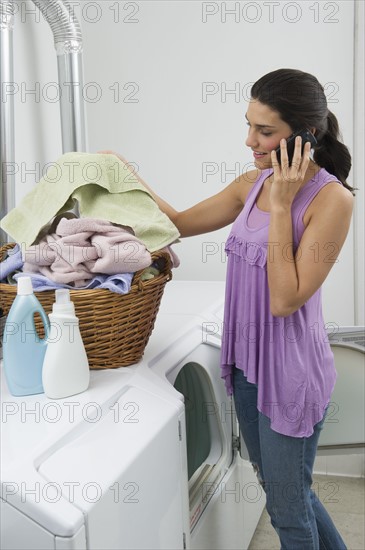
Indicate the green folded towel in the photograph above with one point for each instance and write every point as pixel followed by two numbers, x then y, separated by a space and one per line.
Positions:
pixel 104 188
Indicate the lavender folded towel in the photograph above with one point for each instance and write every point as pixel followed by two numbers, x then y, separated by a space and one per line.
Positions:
pixel 12 262
pixel 119 283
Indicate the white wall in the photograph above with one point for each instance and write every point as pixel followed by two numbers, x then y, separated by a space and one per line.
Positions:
pixel 160 56
pixel 359 161
pixel 37 119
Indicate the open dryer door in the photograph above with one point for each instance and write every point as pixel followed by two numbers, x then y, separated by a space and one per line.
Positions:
pixel 225 499
pixel 213 338
pixel 208 423
pixel 344 427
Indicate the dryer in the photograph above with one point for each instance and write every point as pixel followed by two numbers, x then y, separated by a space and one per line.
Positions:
pixel 118 466
pixel 225 498
pixel 88 471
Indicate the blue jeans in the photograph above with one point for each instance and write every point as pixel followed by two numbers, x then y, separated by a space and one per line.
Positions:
pixel 284 468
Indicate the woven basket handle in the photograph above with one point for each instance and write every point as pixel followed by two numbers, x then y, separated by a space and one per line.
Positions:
pixel 3 250
pixel 166 271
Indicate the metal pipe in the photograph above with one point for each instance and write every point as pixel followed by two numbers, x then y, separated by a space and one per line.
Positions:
pixel 59 14
pixel 7 112
pixel 68 44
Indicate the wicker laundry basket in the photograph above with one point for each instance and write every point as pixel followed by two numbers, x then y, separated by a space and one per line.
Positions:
pixel 115 328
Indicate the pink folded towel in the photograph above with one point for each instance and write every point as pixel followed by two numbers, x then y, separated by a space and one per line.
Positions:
pixel 81 247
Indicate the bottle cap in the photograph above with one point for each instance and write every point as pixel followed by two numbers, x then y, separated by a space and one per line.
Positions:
pixel 25 286
pixel 63 304
pixel 62 296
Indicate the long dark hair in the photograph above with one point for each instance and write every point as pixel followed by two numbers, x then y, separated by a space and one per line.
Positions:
pixel 301 102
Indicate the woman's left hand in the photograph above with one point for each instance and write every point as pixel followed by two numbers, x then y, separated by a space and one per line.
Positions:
pixel 288 179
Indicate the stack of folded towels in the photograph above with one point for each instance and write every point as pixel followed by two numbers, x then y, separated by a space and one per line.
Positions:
pixel 118 226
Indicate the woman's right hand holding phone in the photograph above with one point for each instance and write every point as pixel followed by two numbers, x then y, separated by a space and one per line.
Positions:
pixel 288 178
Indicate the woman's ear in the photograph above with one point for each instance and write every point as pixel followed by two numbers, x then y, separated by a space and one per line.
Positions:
pixel 313 131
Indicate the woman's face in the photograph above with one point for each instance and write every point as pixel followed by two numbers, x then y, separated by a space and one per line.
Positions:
pixel 266 129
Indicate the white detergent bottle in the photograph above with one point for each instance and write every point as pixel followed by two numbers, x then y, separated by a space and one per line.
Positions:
pixel 65 367
pixel 23 350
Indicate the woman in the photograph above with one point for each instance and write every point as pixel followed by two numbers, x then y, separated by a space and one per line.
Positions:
pixel 290 223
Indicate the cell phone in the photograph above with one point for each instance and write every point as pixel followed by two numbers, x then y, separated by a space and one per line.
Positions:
pixel 290 143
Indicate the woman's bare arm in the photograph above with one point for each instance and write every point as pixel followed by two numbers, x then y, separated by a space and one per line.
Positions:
pixel 210 214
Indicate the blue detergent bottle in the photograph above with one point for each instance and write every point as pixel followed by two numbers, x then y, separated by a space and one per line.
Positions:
pixel 23 349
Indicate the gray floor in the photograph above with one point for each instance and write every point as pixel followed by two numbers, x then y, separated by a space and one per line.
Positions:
pixel 344 499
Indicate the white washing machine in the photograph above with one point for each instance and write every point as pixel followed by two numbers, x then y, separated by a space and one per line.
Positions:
pixel 225 498
pixel 105 469
pixel 117 466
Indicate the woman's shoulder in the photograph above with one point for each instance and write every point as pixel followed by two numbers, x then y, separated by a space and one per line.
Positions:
pixel 331 186
pixel 248 179
pixel 331 195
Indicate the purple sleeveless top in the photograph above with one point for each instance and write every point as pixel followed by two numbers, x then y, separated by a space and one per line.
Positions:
pixel 289 358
